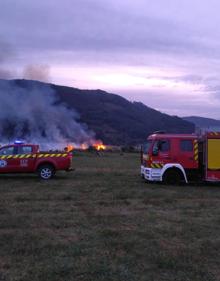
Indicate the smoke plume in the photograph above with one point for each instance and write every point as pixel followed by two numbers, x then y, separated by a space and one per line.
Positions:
pixel 39 72
pixel 5 54
pixel 34 113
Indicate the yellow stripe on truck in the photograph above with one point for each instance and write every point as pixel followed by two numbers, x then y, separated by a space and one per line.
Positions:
pixel 40 155
pixel 156 165
pixel 213 134
pixel 53 155
pixel 27 155
pixel 196 150
pixel 20 156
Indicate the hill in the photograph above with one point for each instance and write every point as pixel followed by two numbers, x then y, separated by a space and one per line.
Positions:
pixel 114 119
pixel 117 120
pixel 203 122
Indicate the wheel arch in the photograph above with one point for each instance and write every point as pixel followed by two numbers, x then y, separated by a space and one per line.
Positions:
pixel 174 166
pixel 42 163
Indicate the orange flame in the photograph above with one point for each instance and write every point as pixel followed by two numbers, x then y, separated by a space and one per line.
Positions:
pixel 83 146
pixel 99 146
pixel 69 148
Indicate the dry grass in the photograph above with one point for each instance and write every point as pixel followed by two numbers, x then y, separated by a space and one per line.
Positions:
pixel 102 222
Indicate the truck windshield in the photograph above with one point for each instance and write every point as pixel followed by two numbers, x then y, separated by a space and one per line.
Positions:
pixel 147 146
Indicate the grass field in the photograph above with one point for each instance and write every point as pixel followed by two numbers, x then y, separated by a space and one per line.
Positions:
pixel 102 222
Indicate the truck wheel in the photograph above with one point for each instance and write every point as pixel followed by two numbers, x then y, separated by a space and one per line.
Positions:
pixel 172 177
pixel 46 172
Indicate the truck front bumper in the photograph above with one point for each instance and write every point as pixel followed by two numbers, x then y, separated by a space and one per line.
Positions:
pixel 151 174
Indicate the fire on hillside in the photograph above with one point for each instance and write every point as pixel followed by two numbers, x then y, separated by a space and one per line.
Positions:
pixel 96 145
pixel 99 146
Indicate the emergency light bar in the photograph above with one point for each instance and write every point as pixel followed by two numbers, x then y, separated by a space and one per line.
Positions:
pixel 19 142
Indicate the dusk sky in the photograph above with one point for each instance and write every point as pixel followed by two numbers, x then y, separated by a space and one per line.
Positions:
pixel 165 54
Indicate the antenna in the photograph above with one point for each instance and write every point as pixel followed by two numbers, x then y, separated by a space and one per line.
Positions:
pixel 159 132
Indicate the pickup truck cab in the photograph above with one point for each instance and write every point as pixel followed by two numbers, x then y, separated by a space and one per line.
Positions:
pixel 26 158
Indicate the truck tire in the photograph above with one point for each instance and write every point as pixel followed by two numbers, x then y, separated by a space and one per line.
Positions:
pixel 172 176
pixel 46 171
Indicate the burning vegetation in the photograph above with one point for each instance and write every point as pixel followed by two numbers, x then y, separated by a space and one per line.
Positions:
pixel 99 146
pixel 95 145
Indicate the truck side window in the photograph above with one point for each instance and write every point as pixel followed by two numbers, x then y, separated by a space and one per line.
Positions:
pixel 7 151
pixel 147 146
pixel 161 145
pixel 164 145
pixel 186 145
pixel 25 150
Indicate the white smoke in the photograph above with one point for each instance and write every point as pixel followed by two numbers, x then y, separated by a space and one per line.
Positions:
pixel 6 54
pixel 39 72
pixel 34 113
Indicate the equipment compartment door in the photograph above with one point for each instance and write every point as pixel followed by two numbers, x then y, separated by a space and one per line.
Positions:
pixel 213 160
pixel 213 154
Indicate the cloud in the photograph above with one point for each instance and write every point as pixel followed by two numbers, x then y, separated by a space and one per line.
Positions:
pixel 168 37
pixel 6 51
pixel 86 25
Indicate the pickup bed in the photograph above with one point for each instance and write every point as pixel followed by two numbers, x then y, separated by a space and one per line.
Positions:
pixel 26 158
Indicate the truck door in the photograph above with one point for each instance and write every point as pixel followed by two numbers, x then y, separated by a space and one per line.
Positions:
pixel 188 153
pixel 26 158
pixel 161 153
pixel 7 162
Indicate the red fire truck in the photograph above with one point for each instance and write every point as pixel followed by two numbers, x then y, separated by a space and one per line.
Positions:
pixel 26 158
pixel 176 158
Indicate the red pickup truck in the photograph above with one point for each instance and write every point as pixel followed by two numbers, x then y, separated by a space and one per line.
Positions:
pixel 26 158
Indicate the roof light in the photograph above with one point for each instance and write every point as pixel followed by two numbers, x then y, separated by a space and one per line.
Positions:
pixel 19 141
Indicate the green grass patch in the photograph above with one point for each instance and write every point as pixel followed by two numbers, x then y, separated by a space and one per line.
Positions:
pixel 103 222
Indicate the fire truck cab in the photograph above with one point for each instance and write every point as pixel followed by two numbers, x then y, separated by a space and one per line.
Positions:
pixel 175 158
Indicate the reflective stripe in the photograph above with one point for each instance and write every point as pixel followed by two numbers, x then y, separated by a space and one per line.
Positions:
pixel 52 155
pixel 196 150
pixel 27 155
pixel 9 156
pixel 156 165
pixel 214 134
pixel 40 155
pixel 20 156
